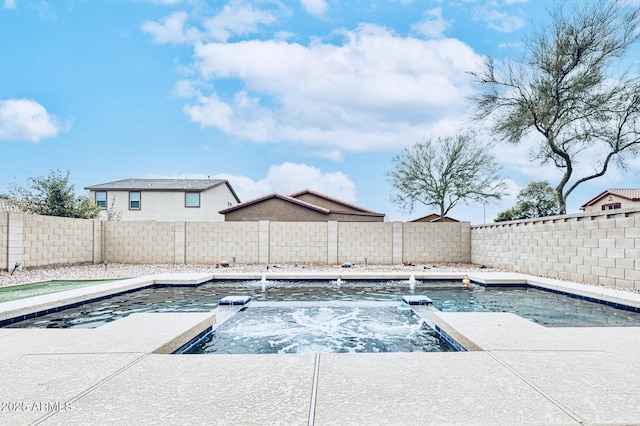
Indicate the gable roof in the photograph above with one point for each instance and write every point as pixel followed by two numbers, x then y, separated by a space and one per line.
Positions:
pixel 293 199
pixel 631 194
pixel 434 218
pixel 278 196
pixel 196 185
pixel 349 206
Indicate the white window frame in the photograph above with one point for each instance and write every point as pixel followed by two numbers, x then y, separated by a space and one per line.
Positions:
pixel 139 200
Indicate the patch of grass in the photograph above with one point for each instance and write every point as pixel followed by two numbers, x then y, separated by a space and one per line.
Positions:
pixel 45 287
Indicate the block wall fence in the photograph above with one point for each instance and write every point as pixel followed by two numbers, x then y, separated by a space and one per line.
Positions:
pixel 602 248
pixel 37 241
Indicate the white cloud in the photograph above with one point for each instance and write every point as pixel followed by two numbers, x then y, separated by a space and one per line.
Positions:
pixel 9 4
pixel 285 178
pixel 27 120
pixel 314 7
pixel 433 26
pixel 238 18
pixel 171 30
pixel 497 20
pixel 374 91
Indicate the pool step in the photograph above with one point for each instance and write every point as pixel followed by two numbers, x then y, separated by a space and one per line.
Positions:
pixel 417 300
pixel 235 300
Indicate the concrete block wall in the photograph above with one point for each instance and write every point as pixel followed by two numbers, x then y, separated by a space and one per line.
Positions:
pixel 437 242
pixel 140 242
pixel 49 240
pixel 601 248
pixel 4 239
pixel 360 240
pixel 298 242
pixel 215 242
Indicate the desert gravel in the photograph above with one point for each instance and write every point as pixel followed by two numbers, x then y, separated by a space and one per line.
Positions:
pixel 121 270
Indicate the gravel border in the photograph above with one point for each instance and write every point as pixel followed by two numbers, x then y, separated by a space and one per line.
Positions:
pixel 123 270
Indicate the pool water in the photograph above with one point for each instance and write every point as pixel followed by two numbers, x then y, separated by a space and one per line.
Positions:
pixel 352 328
pixel 549 309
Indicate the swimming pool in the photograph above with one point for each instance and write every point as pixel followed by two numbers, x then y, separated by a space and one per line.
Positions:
pixel 543 307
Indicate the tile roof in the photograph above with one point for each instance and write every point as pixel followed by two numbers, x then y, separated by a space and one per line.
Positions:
pixel 632 194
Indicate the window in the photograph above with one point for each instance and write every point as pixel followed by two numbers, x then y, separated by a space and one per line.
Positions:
pixel 134 201
pixel 101 199
pixel 612 206
pixel 192 199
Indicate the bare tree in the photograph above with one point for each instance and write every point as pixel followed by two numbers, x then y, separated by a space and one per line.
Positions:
pixel 567 89
pixel 444 171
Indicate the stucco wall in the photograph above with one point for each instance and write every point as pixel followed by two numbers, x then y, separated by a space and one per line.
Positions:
pixel 170 205
pixel 140 242
pixel 593 248
pixel 275 209
pixel 213 242
pixel 278 210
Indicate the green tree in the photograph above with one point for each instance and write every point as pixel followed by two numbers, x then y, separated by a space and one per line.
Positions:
pixel 536 200
pixel 567 90
pixel 53 196
pixel 443 172
pixel 112 213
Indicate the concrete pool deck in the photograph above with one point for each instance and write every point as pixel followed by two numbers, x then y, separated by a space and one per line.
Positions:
pixel 516 372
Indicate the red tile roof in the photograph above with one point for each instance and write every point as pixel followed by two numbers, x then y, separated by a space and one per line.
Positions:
pixel 632 194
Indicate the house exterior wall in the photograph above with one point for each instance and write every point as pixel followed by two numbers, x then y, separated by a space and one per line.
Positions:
pixel 170 205
pixel 601 248
pixel 323 202
pixel 277 210
pixel 625 203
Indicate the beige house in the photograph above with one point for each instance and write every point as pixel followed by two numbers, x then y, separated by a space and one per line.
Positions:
pixel 613 199
pixel 303 206
pixel 165 199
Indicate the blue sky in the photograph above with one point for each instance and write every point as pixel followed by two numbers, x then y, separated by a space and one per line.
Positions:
pixel 274 95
